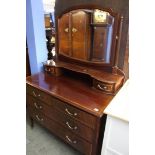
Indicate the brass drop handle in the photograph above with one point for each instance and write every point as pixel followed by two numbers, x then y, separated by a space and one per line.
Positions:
pixel 37 106
pixel 48 70
pixel 75 114
pixel 102 88
pixel 72 128
pixel 66 30
pixel 39 119
pixel 35 94
pixel 74 30
pixel 71 141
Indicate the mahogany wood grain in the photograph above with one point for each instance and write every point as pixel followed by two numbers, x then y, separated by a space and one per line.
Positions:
pixel 38 94
pixel 64 35
pixel 75 141
pixel 84 101
pixel 73 91
pixel 99 44
pixel 77 127
pixel 74 34
pixel 97 74
pixel 63 107
pixel 82 116
pixel 98 77
pixel 80 22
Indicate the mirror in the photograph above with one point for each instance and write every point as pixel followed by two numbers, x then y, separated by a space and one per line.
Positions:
pixel 86 35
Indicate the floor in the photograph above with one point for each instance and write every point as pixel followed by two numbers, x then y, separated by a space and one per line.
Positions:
pixel 40 141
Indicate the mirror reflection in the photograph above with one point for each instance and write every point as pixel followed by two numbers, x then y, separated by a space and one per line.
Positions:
pixel 86 34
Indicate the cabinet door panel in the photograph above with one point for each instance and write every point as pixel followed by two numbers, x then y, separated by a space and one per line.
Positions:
pixel 101 44
pixel 64 35
pixel 80 35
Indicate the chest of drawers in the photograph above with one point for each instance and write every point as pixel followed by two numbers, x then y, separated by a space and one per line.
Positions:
pixel 74 123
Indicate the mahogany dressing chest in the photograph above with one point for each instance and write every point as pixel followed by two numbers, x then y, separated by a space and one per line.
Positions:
pixel 70 95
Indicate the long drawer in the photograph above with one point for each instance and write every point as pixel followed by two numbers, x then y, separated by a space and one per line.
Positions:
pixel 38 94
pixel 70 123
pixel 71 111
pixel 74 112
pixel 75 141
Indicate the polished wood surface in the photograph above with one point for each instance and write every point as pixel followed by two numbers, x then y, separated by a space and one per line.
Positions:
pixel 64 35
pixel 68 137
pixel 100 43
pixel 60 116
pixel 78 115
pixel 98 77
pixel 97 74
pixel 73 35
pixel 80 38
pixel 73 91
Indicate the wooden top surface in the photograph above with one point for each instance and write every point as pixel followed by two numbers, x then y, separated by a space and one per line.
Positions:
pixel 73 91
pixel 99 75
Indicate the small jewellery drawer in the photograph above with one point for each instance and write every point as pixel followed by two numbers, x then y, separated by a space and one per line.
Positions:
pixel 77 142
pixel 65 120
pixel 103 86
pixel 49 69
pixel 74 112
pixel 56 71
pixel 38 94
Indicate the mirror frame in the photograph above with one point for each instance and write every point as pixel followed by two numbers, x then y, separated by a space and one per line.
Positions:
pixel 114 49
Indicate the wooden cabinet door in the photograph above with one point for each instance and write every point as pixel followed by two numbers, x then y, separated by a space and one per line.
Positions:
pixel 101 47
pixel 80 35
pixel 64 35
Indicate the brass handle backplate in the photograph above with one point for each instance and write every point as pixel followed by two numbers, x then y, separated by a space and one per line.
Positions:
pixel 66 30
pixel 74 30
pixel 35 94
pixel 39 119
pixel 71 141
pixel 102 88
pixel 37 106
pixel 72 128
pixel 72 114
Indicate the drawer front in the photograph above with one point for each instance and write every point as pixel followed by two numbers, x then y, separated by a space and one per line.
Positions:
pixel 49 69
pixel 74 112
pixel 36 104
pixel 78 143
pixel 71 111
pixel 65 120
pixel 38 94
pixel 108 88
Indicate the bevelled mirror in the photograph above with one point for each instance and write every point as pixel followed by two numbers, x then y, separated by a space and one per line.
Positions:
pixel 88 35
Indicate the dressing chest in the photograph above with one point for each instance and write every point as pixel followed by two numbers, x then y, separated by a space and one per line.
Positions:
pixel 70 95
pixel 69 109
